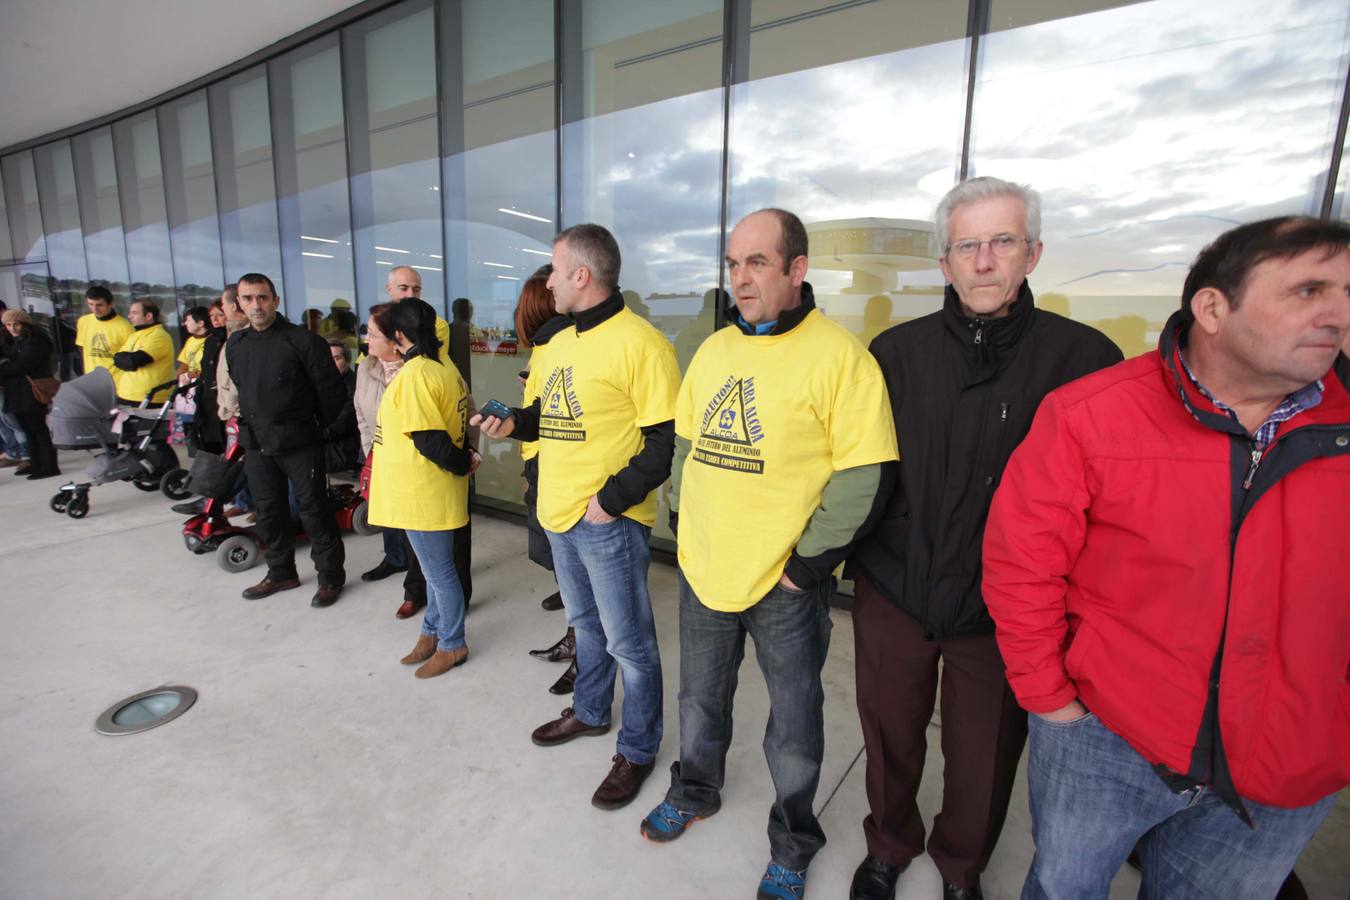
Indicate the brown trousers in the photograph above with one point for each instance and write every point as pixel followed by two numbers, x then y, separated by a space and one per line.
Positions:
pixel 983 733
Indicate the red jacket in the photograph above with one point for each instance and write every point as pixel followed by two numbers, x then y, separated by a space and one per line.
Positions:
pixel 1126 563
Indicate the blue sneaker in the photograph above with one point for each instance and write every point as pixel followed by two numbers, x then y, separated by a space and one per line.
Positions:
pixel 781 883
pixel 666 823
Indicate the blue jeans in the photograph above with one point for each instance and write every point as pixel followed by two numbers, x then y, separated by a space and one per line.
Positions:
pixel 792 638
pixel 393 547
pixel 13 441
pixel 602 573
pixel 444 617
pixel 1093 797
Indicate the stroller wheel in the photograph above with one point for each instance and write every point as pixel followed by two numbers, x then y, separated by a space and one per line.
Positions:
pixel 174 484
pixel 78 507
pixel 361 520
pixel 146 483
pixel 237 553
pixel 58 503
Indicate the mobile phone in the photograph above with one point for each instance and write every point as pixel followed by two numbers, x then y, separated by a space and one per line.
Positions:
pixel 497 409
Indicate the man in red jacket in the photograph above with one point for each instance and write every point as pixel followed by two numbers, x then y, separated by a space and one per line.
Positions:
pixel 1167 567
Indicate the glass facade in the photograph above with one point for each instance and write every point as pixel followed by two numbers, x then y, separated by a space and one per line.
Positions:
pixel 458 136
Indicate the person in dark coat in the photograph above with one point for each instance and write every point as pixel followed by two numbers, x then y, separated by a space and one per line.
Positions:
pixel 29 355
pixel 964 384
pixel 289 393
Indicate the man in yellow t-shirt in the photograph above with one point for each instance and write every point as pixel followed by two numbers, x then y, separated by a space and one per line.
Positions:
pixel 146 358
pixel 401 283
pixel 785 455
pixel 101 332
pixel 603 413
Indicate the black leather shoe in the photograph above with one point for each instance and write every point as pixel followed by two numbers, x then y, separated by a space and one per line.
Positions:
pixel 383 570
pixel 874 880
pixel 565 681
pixel 565 649
pixel 553 602
pixel 326 595
pixel 952 892
pixel 191 507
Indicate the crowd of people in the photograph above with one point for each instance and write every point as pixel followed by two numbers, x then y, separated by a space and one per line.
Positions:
pixel 1133 567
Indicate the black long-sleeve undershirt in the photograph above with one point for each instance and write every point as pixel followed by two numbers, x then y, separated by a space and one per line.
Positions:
pixel 440 449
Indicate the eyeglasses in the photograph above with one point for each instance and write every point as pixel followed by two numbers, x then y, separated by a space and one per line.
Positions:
pixel 999 245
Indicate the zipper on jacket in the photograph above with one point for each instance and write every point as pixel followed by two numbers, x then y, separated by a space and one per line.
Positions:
pixel 1251 471
pixel 1003 412
pixel 979 332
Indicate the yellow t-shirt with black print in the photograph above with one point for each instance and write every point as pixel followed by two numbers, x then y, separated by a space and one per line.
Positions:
pixel 191 354
pixel 99 340
pixel 407 490
pixel 597 390
pixel 530 449
pixel 134 385
pixel 770 419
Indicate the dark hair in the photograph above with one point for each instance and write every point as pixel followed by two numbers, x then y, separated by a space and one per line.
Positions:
pixel 382 314
pixel 149 306
pixel 1226 263
pixel 461 310
pixel 533 310
pixel 417 320
pixel 200 313
pixel 543 271
pixel 334 342
pixel 791 237
pixel 257 278
pixel 596 249
pixel 231 293
pixel 99 292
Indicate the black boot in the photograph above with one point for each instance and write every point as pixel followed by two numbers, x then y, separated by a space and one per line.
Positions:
pixel 565 649
pixel 564 683
pixel 874 880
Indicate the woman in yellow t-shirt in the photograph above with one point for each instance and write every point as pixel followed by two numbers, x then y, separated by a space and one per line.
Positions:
pixel 419 476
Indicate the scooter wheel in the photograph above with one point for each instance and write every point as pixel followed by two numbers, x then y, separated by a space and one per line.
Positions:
pixel 237 553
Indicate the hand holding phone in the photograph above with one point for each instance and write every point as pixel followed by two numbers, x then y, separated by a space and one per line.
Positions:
pixel 496 408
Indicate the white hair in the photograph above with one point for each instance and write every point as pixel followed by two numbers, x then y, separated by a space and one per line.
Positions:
pixel 973 190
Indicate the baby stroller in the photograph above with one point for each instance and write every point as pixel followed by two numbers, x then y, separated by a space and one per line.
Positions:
pixel 85 416
pixel 237 547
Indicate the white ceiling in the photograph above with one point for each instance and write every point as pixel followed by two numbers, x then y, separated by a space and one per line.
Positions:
pixel 63 62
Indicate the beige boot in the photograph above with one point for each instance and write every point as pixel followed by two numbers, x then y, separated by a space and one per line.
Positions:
pixel 426 645
pixel 443 662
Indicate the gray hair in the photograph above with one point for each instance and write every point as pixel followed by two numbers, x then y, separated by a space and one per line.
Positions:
pixel 596 249
pixel 389 279
pixel 973 190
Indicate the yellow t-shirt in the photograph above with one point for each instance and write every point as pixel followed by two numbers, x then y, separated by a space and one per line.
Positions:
pixel 443 335
pixel 530 449
pixel 770 418
pixel 136 384
pixel 407 490
pixel 191 354
pixel 100 340
pixel 597 390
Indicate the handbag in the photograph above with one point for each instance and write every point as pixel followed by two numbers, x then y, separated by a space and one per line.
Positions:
pixel 364 484
pixel 44 389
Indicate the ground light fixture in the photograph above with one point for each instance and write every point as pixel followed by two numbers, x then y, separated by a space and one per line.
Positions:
pixel 146 710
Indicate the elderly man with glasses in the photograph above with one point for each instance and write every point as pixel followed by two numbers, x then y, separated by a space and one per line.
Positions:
pixel 964 384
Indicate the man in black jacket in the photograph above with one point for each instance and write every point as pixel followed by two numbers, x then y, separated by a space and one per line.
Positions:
pixel 964 384
pixel 289 393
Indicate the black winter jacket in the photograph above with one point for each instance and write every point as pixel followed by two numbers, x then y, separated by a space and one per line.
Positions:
pixel 963 392
pixel 25 357
pixel 289 389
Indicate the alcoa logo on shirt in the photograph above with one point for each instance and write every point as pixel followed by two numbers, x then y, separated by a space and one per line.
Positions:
pixel 731 428
pixel 98 347
pixel 559 410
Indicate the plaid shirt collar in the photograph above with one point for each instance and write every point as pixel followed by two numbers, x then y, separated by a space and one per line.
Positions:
pixel 1304 398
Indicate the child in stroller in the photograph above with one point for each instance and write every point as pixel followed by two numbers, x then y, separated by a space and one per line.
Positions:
pixel 131 442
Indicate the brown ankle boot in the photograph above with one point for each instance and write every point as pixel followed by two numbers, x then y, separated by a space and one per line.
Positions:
pixel 426 646
pixel 442 662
